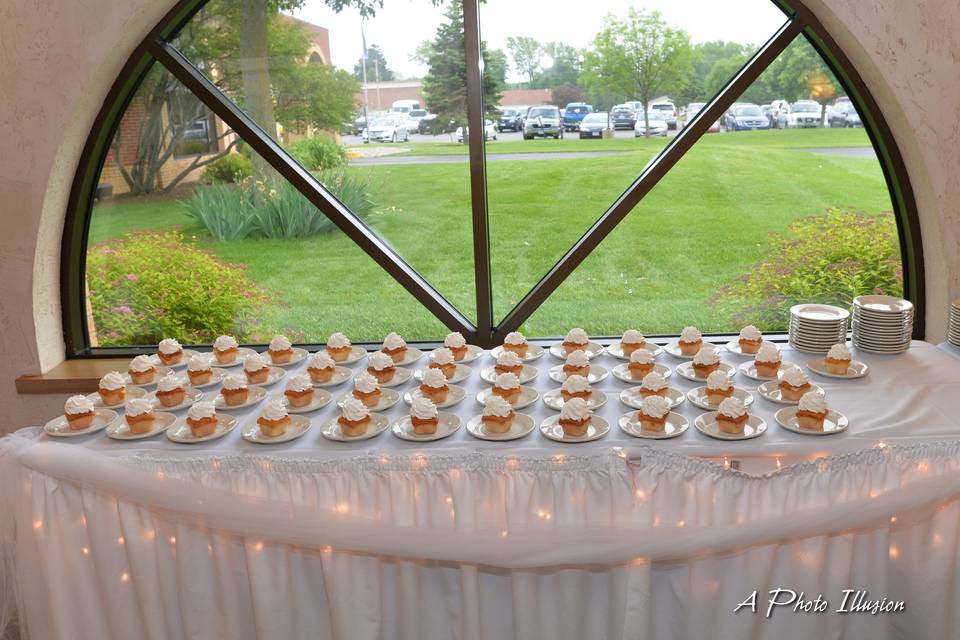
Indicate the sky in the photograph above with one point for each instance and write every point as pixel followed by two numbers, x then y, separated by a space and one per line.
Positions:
pixel 402 24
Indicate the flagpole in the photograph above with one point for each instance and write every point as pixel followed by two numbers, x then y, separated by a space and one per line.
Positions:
pixel 363 63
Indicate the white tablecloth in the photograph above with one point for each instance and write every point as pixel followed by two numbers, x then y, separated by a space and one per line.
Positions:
pixel 470 539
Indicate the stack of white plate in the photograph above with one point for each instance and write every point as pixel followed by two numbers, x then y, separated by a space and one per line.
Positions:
pixel 882 324
pixel 814 328
pixel 953 334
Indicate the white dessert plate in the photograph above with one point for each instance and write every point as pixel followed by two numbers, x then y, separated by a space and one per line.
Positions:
pixel 356 355
pixel 340 375
pixel 400 376
pixel 378 424
pixel 447 426
pixel 675 425
pixel 883 304
pixel 551 429
pixel 412 355
pixel 388 398
pixel 529 372
pixel 160 372
pixel 616 350
pixel 473 352
pixel 462 373
pixel 592 348
pixel 522 425
pixel 771 391
pixel 455 395
pixel 818 312
pixel 632 398
pixel 835 422
pixel 528 395
pixel 187 354
pixel 749 369
pixel 255 395
pixel 131 394
pixel 320 399
pixel 534 351
pixel 192 395
pixel 622 372
pixel 685 370
pixel 857 369
pixel 120 430
pixel 674 349
pixel 597 373
pixel 554 399
pixel 882 350
pixel 242 354
pixel 698 398
pixel 180 431
pixel 298 426
pixel 216 377
pixel 102 418
pixel 734 347
pixel 706 423
pixel 299 355
pixel 274 375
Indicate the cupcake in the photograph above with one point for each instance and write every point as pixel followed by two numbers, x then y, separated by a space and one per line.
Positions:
pixel 653 384
pixel 226 349
pixel 706 361
pixel 338 347
pixel 507 386
pixel 653 413
pixel 575 340
pixel 234 390
pixel 750 339
pixel 202 418
pixel 299 391
pixel 812 411
pixel 280 350
pixel 631 341
pixel 112 388
pixel 793 384
pixel 516 343
pixel 141 370
pixel 169 351
pixel 380 366
pixel 434 385
pixel 838 359
pixel 424 416
pixel 366 389
pixel 767 360
pixel 274 418
pixel 497 416
pixel 575 418
pixel 732 416
pixel 198 369
pixel 170 390
pixel 690 341
pixel 509 362
pixel 719 387
pixel 577 363
pixel 354 417
pixel 139 415
pixel 641 363
pixel 256 368
pixel 79 412
pixel 445 361
pixel 321 367
pixel 575 386
pixel 457 345
pixel 395 347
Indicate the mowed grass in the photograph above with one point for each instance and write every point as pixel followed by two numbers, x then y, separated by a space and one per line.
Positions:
pixel 700 228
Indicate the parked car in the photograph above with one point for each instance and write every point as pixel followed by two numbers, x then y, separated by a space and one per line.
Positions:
pixel 414 117
pixel 693 109
pixel 767 111
pixel 522 113
pixel 669 111
pixel 427 124
pixel 489 131
pixel 391 129
pixel 655 123
pixel 574 113
pixel 745 116
pixel 844 115
pixel 623 116
pixel 804 113
pixel 509 120
pixel 543 121
pixel 778 114
pixel 356 126
pixel 593 124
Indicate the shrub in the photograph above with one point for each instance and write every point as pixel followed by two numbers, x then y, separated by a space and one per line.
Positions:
pixel 192 147
pixel 150 285
pixel 318 154
pixel 226 211
pixel 829 259
pixel 233 167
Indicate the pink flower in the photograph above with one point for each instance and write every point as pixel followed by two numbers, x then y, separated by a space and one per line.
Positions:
pixel 254 338
pixel 124 309
pixel 132 277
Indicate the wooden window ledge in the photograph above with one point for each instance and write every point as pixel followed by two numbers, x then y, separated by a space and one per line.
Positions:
pixel 71 376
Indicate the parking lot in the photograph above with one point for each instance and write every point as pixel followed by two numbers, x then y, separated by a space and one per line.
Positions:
pixel 503 135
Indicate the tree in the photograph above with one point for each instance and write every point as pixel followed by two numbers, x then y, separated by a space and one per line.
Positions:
pixel 800 73
pixel 526 53
pixel 640 56
pixel 705 57
pixel 564 68
pixel 376 66
pixel 567 93
pixel 495 66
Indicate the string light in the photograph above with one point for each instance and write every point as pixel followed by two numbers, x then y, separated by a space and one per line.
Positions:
pixel 149 535
pixel 937 539
pixel 779 466
pixel 881 445
pixel 121 540
pixel 893 519
pixel 559 458
pixel 342 508
pixel 85 551
pixel 504 533
pixel 124 577
pixel 327 549
pixel 512 463
pixel 160 475
pixel 37 525
pixel 641 494
pixel 726 463
pixel 543 514
pixel 83 521
pixel 894 552
pixel 449 499
pixel 258 547
pixel 172 539
pixel 682 523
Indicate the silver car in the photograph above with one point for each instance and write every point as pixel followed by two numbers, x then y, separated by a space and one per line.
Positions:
pixel 657 124
pixel 543 122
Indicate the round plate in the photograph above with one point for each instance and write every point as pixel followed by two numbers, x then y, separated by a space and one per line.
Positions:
pixel 378 424
pixel 340 375
pixel 522 425
pixel 180 431
pixel 120 430
pixel 597 373
pixel 473 352
pixel 132 393
pixel 685 370
pixel 412 355
pixel 593 350
pixel 674 349
pixel 749 369
pixel 274 375
pixel 734 347
pixel 299 425
pixel 192 395
pixel 448 425
pixel 552 430
pixel 883 304
pixel 187 354
pixel 299 355
pixel 675 425
pixel 102 418
pixel 356 355
pixel 216 378
pixel 160 372
pixel 388 398
pixel 819 312
pixel 528 395
pixel 706 423
pixel 400 376
pixel 632 398
pixel 857 369
pixel 489 374
pixel 698 397
pixel 455 395
pixel 534 351
pixel 554 399
pixel 242 353
pixel 321 399
pixel 835 422
pixel 462 373
pixel 771 391
pixel 889 352
pixel 255 395
pixel 616 350
pixel 622 372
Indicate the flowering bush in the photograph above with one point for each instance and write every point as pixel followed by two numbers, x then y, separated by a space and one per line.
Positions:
pixel 150 285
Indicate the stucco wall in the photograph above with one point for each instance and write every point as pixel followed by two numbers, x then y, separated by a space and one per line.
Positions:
pixel 58 58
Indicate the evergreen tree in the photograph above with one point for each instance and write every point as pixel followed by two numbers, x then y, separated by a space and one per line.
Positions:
pixel 376 64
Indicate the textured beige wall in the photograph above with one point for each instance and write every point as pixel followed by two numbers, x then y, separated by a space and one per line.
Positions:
pixel 59 57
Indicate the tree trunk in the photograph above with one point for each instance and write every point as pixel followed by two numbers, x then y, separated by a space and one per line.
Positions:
pixel 254 67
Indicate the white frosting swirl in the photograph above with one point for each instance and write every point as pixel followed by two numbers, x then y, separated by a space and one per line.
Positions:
pixel 274 410
pixel 354 410
pixel 497 406
pixel 707 356
pixel 169 382
pixel 279 343
pixel 378 361
pixel 795 377
pixel 576 336
pixel 768 353
pixel 454 340
pixel 718 380
pixel 299 383
pixel 507 381
pixel 393 341
pixel 141 364
pixel 77 404
pixel 575 409
pixel 434 378
pixel 443 356
pixel 138 407
pixel 235 381
pixel 642 356
pixel 169 346
pixel 365 383
pixel 751 333
pixel 200 410
pixel 223 343
pixel 839 352
pixel 576 384
pixel 632 336
pixel 509 359
pixel 198 363
pixel 514 338
pixel 338 341
pixel 254 362
pixel 655 406
pixel 423 409
pixel 732 408
pixel 578 358
pixel 112 381
pixel 690 334
pixel 812 401
pixel 653 381
pixel 322 360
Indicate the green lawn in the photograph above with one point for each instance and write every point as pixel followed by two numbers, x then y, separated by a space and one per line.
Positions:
pixel 697 230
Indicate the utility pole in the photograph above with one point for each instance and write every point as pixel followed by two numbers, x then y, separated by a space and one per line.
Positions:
pixel 363 39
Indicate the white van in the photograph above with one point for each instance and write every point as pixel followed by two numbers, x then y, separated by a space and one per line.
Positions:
pixel 404 106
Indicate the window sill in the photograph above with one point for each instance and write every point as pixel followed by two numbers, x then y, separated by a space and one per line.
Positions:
pixel 80 375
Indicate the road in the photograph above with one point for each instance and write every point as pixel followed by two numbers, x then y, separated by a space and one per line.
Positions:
pixel 504 136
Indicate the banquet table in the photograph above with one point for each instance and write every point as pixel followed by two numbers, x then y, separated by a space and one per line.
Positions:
pixel 465 538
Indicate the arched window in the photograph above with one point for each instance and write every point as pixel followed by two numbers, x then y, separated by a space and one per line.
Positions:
pixel 302 167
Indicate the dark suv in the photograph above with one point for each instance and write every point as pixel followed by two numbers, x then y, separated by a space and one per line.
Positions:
pixel 509 120
pixel 544 122
pixel 573 115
